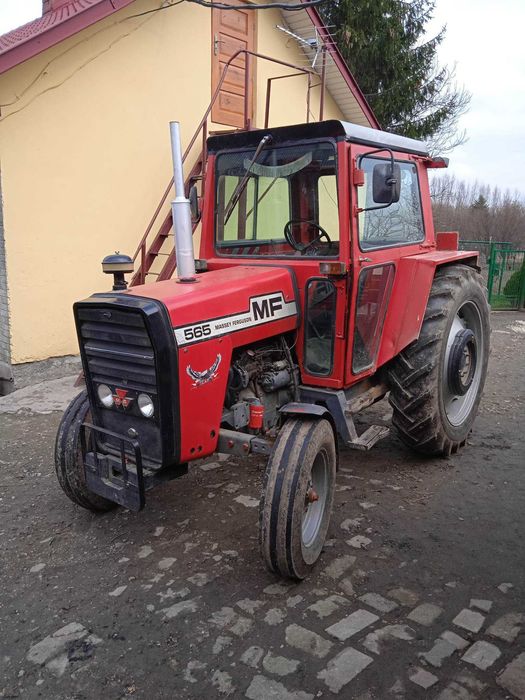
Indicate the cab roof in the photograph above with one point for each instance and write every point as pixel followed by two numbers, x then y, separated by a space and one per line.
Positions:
pixel 332 128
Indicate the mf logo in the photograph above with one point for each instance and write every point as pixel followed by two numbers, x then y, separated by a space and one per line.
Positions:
pixel 266 308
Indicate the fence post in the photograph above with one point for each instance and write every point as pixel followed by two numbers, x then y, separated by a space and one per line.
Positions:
pixel 490 280
pixel 521 289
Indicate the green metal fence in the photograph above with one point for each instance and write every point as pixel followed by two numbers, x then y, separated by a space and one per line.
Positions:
pixel 503 269
pixel 484 247
pixel 506 279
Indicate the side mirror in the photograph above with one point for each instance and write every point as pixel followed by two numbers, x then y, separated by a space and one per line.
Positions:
pixel 386 183
pixel 194 204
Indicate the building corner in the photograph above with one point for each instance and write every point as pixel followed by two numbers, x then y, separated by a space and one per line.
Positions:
pixel 7 384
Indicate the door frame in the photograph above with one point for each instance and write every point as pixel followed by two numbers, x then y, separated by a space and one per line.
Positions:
pixel 363 259
pixel 249 65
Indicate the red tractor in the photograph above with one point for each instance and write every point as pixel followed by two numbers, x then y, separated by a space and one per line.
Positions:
pixel 321 286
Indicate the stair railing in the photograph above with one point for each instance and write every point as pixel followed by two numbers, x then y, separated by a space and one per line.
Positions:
pixel 140 275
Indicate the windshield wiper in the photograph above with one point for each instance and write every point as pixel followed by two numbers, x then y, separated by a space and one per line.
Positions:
pixel 241 186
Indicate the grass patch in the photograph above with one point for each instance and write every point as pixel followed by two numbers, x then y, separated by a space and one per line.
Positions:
pixel 501 301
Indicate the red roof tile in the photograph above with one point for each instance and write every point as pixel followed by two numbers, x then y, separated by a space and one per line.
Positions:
pixel 34 37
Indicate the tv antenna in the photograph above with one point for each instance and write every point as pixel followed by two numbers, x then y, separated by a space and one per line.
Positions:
pixel 314 44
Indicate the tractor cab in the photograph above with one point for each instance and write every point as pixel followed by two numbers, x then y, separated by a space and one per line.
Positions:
pixel 341 206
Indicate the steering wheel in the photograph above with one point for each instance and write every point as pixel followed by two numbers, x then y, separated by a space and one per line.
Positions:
pixel 302 248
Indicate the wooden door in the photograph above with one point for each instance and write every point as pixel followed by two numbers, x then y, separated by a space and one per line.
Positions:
pixel 232 30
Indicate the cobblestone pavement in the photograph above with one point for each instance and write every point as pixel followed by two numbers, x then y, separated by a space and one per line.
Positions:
pixel 420 591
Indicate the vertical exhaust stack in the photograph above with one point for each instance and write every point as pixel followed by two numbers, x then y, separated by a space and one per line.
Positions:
pixel 181 213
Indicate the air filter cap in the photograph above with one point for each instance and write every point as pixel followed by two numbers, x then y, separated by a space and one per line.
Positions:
pixel 117 262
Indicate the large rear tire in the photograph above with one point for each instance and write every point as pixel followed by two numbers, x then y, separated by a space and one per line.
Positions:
pixel 68 457
pixel 436 383
pixel 297 498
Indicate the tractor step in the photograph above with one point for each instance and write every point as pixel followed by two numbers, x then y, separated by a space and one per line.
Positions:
pixel 343 407
pixel 369 438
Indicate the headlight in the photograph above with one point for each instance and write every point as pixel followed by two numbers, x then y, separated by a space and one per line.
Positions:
pixel 145 404
pixel 105 395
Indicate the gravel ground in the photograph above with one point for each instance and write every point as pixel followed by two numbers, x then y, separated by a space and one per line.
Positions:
pixel 420 591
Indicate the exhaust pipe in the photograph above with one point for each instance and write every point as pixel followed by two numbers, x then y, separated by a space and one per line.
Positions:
pixel 181 213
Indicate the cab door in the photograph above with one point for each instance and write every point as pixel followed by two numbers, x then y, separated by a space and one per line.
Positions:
pixel 381 235
pixel 322 351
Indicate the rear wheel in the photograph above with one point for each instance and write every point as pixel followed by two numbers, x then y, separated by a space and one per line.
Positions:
pixel 68 457
pixel 297 497
pixel 436 383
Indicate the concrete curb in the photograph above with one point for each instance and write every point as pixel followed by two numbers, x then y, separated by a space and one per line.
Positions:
pixel 42 398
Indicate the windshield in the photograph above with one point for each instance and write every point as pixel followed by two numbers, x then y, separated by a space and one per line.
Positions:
pixel 287 204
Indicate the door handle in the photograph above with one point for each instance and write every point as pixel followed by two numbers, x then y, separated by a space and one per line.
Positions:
pixel 364 260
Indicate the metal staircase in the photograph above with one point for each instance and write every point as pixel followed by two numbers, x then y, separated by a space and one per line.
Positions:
pixel 148 253
pixel 152 245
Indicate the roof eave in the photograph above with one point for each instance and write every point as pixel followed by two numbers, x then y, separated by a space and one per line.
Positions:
pixel 57 33
pixel 345 71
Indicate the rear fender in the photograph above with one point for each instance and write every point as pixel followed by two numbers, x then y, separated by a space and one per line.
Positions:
pixel 408 302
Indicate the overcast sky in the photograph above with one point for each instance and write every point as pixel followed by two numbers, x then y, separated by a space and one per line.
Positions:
pixel 484 39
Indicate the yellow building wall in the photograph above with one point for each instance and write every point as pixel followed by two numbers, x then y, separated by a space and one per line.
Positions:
pixel 85 153
pixel 288 96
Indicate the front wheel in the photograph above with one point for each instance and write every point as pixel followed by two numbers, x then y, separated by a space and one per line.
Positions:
pixel 436 383
pixel 69 464
pixel 297 497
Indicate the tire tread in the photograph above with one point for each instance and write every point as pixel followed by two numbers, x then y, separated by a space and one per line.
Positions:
pixel 277 510
pixel 413 374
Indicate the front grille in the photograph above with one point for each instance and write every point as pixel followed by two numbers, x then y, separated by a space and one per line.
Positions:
pixel 127 343
pixel 118 350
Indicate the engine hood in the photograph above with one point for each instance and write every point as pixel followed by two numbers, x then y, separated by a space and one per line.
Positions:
pixel 246 302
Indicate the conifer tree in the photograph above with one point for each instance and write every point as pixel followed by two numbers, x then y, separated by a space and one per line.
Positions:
pixel 385 45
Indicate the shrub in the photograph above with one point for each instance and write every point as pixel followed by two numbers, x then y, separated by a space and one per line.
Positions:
pixel 512 288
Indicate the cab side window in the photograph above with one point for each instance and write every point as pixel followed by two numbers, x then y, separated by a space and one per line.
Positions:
pixel 328 214
pixel 400 223
pixel 321 300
